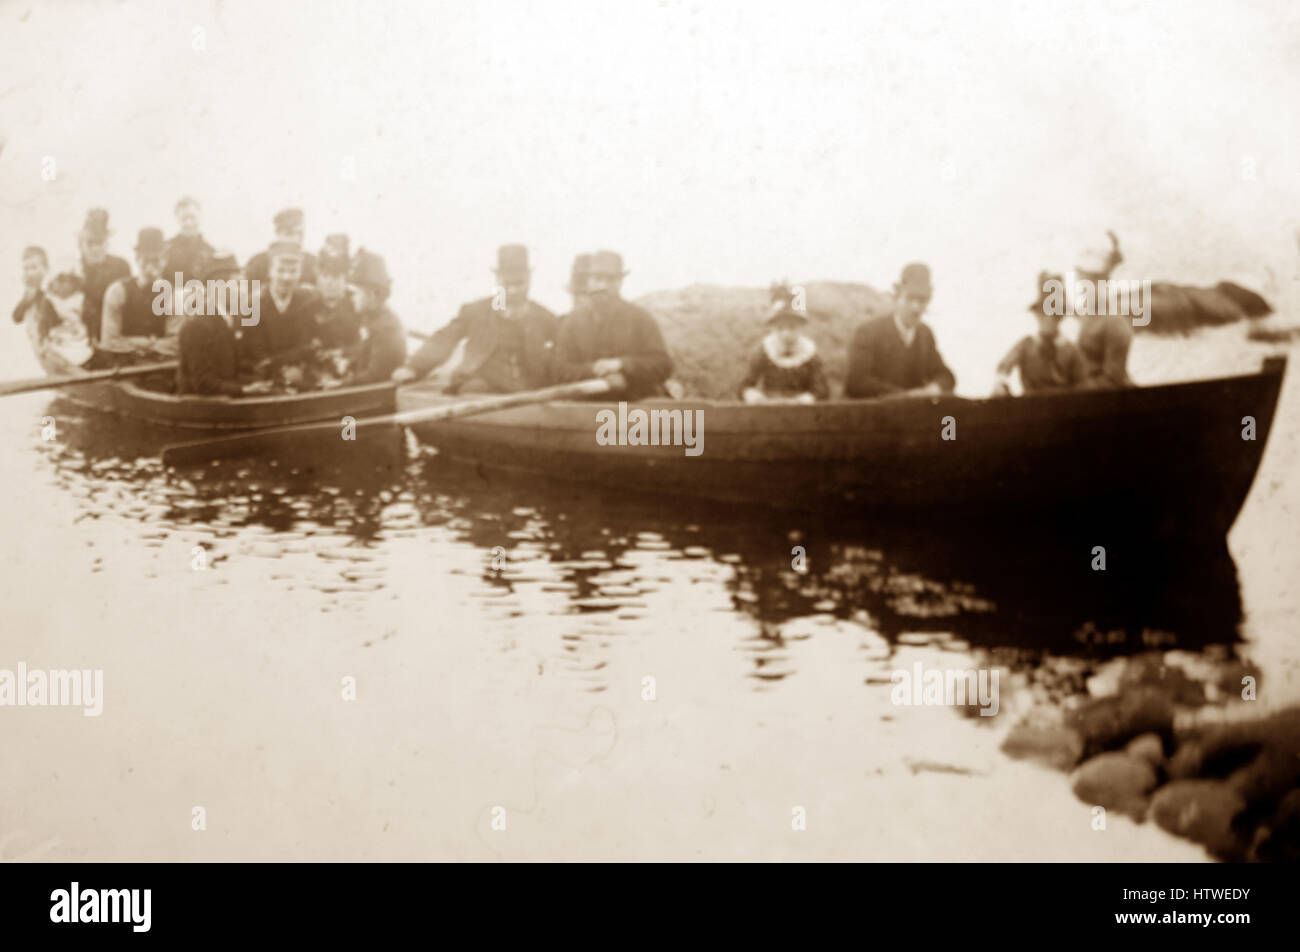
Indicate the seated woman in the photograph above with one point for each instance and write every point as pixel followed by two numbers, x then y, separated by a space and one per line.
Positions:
pixel 1046 360
pixel 384 348
pixel 786 365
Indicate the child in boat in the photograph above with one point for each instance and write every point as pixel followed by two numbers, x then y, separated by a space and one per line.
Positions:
pixel 1046 360
pixel 786 365
pixel 50 309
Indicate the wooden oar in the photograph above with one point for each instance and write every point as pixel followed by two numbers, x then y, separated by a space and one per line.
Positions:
pixel 76 380
pixel 247 444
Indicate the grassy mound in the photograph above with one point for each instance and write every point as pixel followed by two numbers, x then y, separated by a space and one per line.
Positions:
pixel 712 331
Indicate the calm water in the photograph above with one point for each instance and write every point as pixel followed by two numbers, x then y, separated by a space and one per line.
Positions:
pixel 501 632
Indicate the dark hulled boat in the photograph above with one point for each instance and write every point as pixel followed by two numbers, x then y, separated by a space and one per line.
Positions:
pixel 1173 459
pixel 190 412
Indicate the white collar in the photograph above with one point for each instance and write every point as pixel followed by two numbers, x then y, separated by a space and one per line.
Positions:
pixel 802 353
pixel 908 334
pixel 287 301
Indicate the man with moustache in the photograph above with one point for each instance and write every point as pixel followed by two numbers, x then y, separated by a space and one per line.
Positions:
pixel 510 340
pixel 613 338
pixel 131 323
pixel 895 355
pixel 99 270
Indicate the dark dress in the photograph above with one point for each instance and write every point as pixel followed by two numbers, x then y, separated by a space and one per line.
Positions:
pixel 338 327
pixel 778 376
pixel 1045 365
pixel 383 350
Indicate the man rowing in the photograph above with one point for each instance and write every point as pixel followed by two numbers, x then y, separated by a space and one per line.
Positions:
pixel 509 339
pixel 614 339
pixel 895 355
pixel 132 324
pixel 99 270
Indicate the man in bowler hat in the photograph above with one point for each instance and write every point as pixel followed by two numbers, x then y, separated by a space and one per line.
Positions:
pixel 509 339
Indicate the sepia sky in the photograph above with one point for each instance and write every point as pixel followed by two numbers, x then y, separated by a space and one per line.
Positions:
pixel 720 142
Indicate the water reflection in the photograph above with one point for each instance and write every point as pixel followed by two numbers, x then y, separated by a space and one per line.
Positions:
pixel 585 568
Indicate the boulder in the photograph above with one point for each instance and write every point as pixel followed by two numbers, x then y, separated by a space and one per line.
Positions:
pixel 1110 722
pixel 1059 747
pixel 713 331
pixel 1202 811
pixel 1117 781
pixel 1278 840
pixel 1149 748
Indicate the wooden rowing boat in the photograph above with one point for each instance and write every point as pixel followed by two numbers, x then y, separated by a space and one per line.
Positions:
pixel 190 412
pixel 1168 458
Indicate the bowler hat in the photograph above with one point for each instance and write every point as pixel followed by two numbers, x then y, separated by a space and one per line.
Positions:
pixel 578 277
pixel 512 261
pixel 369 271
pixel 916 278
pixel 150 241
pixel 96 226
pixel 608 263
pixel 1045 278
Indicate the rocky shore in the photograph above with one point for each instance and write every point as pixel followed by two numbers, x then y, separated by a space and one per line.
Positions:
pixel 1182 742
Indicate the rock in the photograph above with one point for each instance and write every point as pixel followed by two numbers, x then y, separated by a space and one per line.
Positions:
pixel 1261 754
pixel 1109 722
pixel 1202 811
pixel 1116 781
pixel 1149 748
pixel 1278 841
pixel 1173 681
pixel 1059 747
